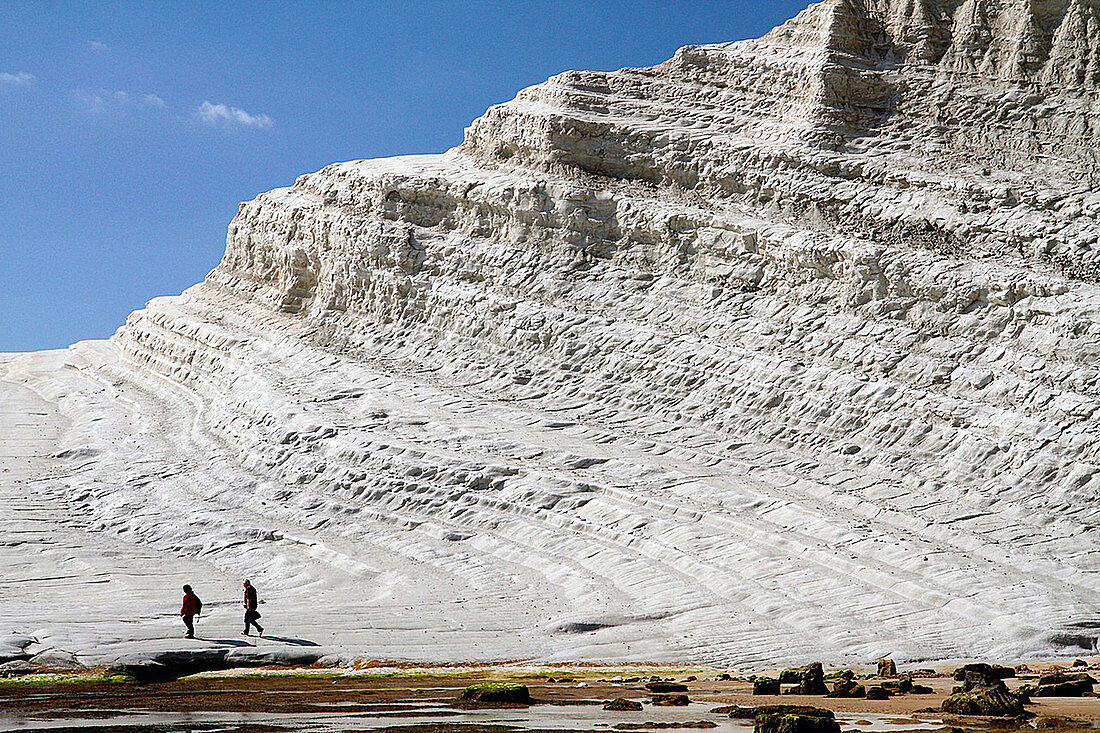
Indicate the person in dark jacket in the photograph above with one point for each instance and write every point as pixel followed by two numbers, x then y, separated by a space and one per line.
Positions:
pixel 192 607
pixel 250 612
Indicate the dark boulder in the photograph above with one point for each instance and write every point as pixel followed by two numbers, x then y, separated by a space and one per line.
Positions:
pixel 814 720
pixel 749 711
pixel 765 686
pixel 1060 684
pixel 497 692
pixel 887 668
pixel 847 688
pixel 671 700
pixel 1058 678
pixel 989 672
pixel 793 674
pixel 666 687
pixel 900 686
pixel 979 699
pixel 810 682
pixel 877 693
pixel 621 703
pixel 663 725
pixel 1062 689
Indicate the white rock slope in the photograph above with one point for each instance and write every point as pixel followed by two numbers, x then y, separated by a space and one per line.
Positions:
pixel 782 349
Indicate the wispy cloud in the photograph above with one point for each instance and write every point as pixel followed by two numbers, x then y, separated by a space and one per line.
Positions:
pixel 102 100
pixel 99 46
pixel 18 79
pixel 222 114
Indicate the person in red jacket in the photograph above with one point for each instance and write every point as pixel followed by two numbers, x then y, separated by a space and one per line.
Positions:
pixel 251 613
pixel 192 607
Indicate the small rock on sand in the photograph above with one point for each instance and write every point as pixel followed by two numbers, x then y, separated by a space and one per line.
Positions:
pixel 621 703
pixel 666 687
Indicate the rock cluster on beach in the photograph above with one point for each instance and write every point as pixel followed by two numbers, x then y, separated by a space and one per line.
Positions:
pixel 984 693
pixel 781 349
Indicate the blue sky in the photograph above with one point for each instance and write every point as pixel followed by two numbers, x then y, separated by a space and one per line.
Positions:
pixel 129 131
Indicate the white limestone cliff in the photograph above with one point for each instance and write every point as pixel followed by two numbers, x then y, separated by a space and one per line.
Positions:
pixel 780 350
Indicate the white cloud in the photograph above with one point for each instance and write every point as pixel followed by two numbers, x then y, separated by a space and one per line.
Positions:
pixel 223 114
pixel 102 100
pixel 18 79
pixel 99 46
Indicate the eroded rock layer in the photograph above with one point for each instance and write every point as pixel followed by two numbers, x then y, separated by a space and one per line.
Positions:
pixel 782 349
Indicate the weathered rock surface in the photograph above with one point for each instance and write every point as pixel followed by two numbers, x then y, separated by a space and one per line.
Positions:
pixel 1063 685
pixel 992 700
pixel 666 725
pixel 877 692
pixel 749 711
pixel 847 688
pixel 984 693
pixel 17 668
pixel 497 693
pixel 989 673
pixel 815 720
pixel 666 687
pixel 622 704
pixel 766 686
pixel 168 665
pixel 782 349
pixel 811 681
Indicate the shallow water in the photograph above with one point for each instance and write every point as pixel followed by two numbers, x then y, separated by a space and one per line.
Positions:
pixel 330 719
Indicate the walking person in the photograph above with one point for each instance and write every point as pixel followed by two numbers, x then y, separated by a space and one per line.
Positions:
pixel 192 607
pixel 250 612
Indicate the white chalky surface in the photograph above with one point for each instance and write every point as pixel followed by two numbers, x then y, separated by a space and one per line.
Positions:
pixel 781 350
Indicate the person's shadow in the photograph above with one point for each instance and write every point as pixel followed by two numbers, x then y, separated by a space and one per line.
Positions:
pixel 226 642
pixel 290 640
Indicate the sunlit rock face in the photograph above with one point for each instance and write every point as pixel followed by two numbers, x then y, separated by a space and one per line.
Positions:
pixel 780 350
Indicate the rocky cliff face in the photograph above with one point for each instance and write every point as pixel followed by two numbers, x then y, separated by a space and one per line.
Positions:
pixel 780 349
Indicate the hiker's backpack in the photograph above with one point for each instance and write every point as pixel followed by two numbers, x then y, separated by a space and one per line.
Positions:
pixel 198 605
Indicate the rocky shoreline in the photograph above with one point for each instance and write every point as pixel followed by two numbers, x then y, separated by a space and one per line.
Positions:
pixel 635 697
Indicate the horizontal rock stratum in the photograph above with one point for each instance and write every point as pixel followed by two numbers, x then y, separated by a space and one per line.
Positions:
pixel 780 350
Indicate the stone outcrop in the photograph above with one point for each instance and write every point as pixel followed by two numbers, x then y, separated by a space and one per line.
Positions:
pixel 497 693
pixel 811 681
pixel 666 687
pixel 1062 684
pixel 988 673
pixel 766 686
pixel 781 349
pixel 814 720
pixel 984 693
pixel 622 704
pixel 847 688
pixel 992 700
